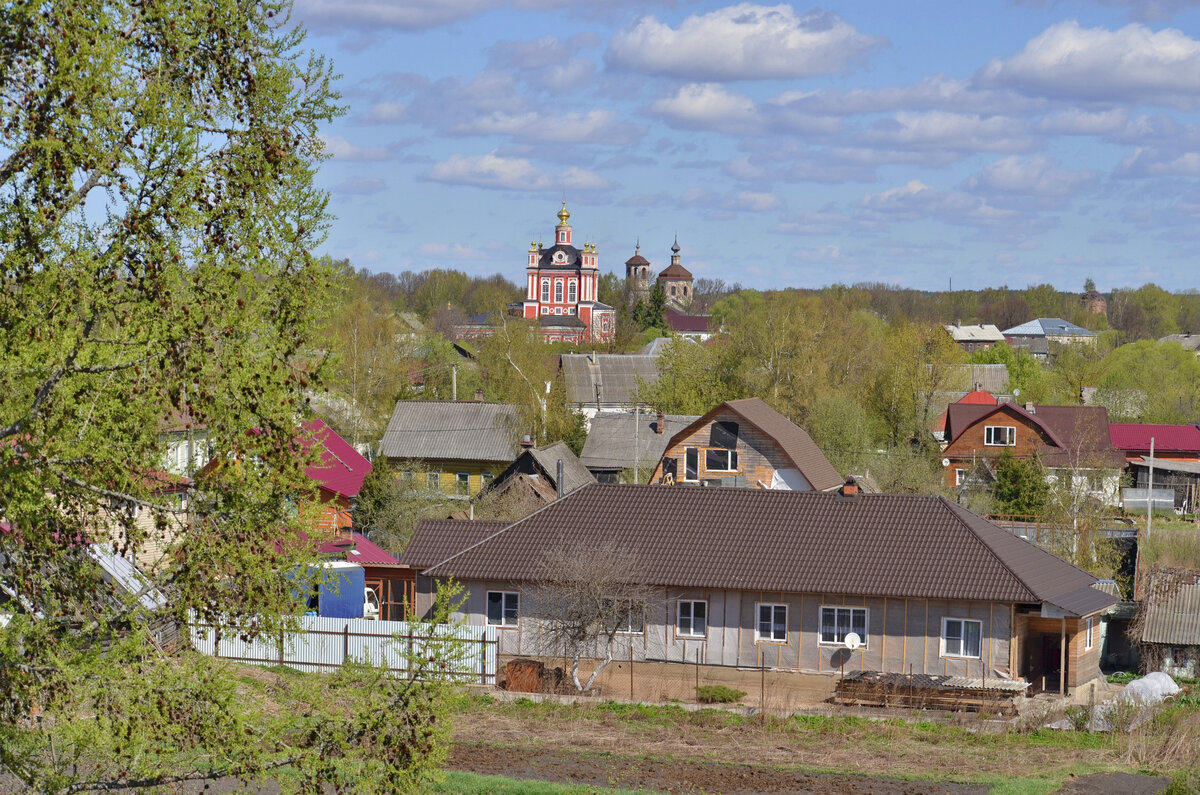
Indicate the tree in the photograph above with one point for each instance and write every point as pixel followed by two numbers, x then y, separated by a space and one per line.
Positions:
pixel 1020 487
pixel 583 598
pixel 649 314
pixel 691 380
pixel 156 224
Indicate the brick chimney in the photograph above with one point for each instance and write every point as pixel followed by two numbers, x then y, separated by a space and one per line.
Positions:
pixel 660 423
pixel 849 487
pixel 479 395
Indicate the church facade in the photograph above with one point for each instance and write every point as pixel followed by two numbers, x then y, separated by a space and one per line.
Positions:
pixel 561 290
pixel 675 279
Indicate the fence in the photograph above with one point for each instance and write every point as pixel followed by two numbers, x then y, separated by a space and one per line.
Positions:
pixel 325 643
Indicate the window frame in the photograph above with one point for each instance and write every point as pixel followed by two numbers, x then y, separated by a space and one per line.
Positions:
pixel 1089 633
pixel 430 477
pixel 462 482
pixel 503 622
pixel 731 459
pixel 572 291
pixel 866 625
pixel 960 476
pixel 773 621
pixel 989 435
pixel 558 291
pixel 628 630
pixel 963 653
pixel 545 291
pixel 693 451
pixel 691 633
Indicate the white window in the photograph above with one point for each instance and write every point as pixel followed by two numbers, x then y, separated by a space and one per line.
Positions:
pixel 545 291
pixel 838 622
pixel 960 477
pixel 462 482
pixel 962 637
pixel 1089 634
pixel 691 463
pixel 558 291
pixel 629 620
pixel 486 478
pixel 503 608
pixel 572 291
pixel 693 618
pixel 545 310
pixel 1000 435
pixel 562 237
pixel 720 460
pixel 772 623
pixel 433 480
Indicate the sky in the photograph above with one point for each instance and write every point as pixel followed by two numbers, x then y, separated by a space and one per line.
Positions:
pixel 926 145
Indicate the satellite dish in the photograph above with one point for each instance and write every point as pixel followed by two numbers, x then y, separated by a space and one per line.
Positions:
pixel 853 641
pixel 945 462
pixel 1017 392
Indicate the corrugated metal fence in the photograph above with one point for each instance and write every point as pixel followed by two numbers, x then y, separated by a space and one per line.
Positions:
pixel 325 643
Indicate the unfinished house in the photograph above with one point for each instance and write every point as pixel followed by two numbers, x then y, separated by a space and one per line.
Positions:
pixel 1166 628
pixel 744 578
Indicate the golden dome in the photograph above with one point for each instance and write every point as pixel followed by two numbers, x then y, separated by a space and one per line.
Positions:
pixel 563 215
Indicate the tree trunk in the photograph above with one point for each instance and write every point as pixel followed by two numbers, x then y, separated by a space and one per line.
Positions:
pixel 595 673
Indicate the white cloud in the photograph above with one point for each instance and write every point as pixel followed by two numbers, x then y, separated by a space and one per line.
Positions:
pixel 915 201
pixel 456 251
pixel 742 201
pixel 548 62
pixel 510 173
pixel 932 93
pixel 1153 162
pixel 1134 64
pixel 1076 121
pixel 596 126
pixel 707 106
pixel 742 42
pixel 956 132
pixel 1035 176
pixel 383 113
pixel 823 222
pixel 340 148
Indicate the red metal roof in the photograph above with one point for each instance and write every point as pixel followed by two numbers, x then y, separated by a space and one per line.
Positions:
pixel 979 398
pixel 359 550
pixel 1133 436
pixel 342 468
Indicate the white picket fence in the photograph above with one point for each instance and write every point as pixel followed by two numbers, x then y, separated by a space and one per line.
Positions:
pixel 326 643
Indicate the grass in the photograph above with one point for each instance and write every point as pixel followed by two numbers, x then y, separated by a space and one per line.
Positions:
pixel 1171 547
pixel 472 784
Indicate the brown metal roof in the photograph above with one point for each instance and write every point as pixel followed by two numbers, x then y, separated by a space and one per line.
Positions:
pixel 797 445
pixel 1074 435
pixel 675 271
pixel 914 546
pixel 434 540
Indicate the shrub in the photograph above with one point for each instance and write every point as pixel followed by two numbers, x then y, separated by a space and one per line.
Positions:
pixel 1122 677
pixel 718 694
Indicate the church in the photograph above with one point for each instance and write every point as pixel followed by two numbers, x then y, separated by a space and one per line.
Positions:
pixel 561 284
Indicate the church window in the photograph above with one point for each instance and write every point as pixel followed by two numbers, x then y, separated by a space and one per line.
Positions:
pixel 672 290
pixel 558 291
pixel 545 290
pixel 571 294
pixel 562 237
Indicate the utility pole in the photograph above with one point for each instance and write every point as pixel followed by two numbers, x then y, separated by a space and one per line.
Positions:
pixel 1150 490
pixel 454 382
pixel 637 475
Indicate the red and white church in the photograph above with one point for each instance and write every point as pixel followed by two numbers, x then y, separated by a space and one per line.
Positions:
pixel 561 285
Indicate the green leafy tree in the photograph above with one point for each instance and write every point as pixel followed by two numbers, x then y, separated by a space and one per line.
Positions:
pixel 1024 371
pixel 156 224
pixel 1163 379
pixel 691 380
pixel 649 314
pixel 1020 487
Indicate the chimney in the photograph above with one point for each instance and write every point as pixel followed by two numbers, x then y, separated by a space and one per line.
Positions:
pixel 849 488
pixel 479 395
pixel 1029 407
pixel 526 443
pixel 559 483
pixel 660 423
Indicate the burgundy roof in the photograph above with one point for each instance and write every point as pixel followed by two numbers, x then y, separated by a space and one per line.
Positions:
pixel 359 550
pixel 1131 436
pixel 797 445
pixel 677 321
pixel 637 259
pixel 342 468
pixel 899 545
pixel 434 540
pixel 1078 435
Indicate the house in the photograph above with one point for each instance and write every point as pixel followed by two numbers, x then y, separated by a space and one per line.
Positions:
pixel 617 442
pixel 692 327
pixel 977 397
pixel 339 474
pixel 749 444
pixel 977 337
pixel 1072 442
pixel 455 447
pixel 186 441
pixel 533 476
pixel 748 578
pixel 600 382
pixel 1182 478
pixel 562 290
pixel 1045 330
pixel 1169 442
pixel 1168 622
pixel 1189 341
pixel 393 583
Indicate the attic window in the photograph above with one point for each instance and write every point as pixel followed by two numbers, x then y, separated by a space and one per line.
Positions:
pixel 724 434
pixel 1000 435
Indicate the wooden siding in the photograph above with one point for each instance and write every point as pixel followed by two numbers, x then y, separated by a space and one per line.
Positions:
pixel 970 444
pixel 759 455
pixel 447 471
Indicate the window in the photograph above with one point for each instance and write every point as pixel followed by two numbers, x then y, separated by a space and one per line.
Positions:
pixel 716 460
pixel 960 477
pixel 838 622
pixel 693 618
pixel 628 620
pixel 772 623
pixel 558 291
pixel 691 463
pixel 502 608
pixel 545 310
pixel 486 478
pixel 570 310
pixel 961 637
pixel 1089 634
pixel 462 482
pixel 1000 435
pixel 545 291
pixel 572 291
pixel 562 237
pixel 433 480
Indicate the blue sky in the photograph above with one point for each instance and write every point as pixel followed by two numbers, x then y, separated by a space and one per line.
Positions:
pixel 995 143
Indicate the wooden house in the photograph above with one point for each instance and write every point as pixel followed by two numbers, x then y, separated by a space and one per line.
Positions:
pixel 534 475
pixel 745 443
pixel 745 578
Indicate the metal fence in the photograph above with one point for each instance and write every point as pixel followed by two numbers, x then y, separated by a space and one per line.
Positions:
pixel 325 643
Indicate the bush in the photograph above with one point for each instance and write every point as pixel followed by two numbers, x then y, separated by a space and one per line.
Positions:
pixel 718 694
pixel 1122 677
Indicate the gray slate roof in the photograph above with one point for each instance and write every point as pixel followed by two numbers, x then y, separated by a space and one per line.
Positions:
pixel 575 474
pixel 1175 619
pixel 1048 327
pixel 900 545
pixel 1189 341
pixel 463 430
pixel 609 445
pixel 615 373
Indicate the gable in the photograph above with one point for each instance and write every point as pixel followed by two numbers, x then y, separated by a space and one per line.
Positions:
pixel 974 421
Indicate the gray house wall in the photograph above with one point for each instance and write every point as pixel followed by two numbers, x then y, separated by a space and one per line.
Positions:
pixel 902 634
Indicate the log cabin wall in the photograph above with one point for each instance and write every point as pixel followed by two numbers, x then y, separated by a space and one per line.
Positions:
pixel 971 444
pixel 759 455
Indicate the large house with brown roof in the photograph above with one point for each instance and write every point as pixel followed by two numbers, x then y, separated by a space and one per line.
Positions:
pixel 744 578
pixel 746 443
pixel 1071 442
